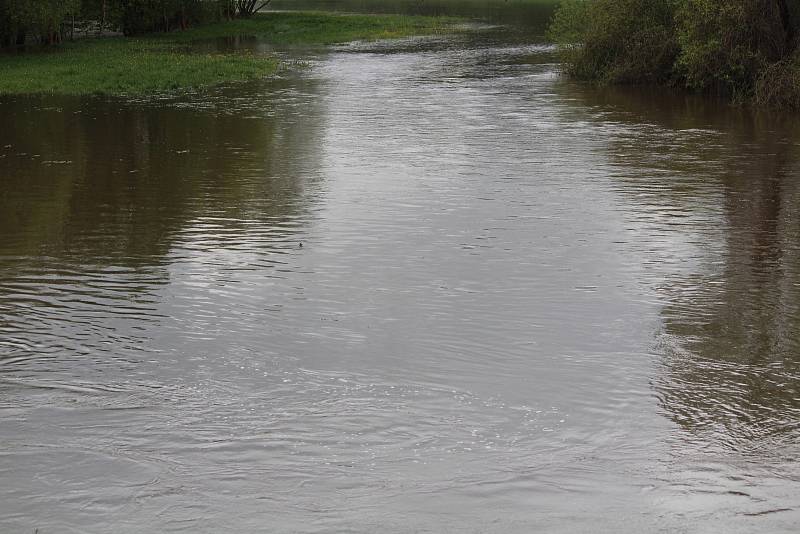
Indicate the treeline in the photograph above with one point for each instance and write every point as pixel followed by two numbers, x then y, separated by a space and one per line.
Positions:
pixel 747 50
pixel 50 21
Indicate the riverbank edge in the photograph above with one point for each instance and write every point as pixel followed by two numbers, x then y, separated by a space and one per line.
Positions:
pixel 731 50
pixel 158 63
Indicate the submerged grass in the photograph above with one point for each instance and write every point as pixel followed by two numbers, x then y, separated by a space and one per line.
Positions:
pixel 161 63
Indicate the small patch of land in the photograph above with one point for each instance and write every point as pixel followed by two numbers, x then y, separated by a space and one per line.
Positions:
pixel 167 62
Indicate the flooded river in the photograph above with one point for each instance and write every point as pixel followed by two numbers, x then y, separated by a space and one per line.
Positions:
pixel 420 286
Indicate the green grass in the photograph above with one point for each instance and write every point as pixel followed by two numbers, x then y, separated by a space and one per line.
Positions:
pixel 160 63
pixel 124 66
pixel 313 28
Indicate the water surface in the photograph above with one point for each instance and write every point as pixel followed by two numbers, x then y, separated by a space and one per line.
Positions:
pixel 422 286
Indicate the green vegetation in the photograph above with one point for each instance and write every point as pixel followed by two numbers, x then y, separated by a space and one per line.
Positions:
pixel 168 61
pixel 19 18
pixel 120 66
pixel 319 28
pixel 50 21
pixel 747 50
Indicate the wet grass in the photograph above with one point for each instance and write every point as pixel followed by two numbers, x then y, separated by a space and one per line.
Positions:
pixel 159 63
pixel 291 28
pixel 124 66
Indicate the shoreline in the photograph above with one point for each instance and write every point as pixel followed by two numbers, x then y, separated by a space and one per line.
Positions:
pixel 118 66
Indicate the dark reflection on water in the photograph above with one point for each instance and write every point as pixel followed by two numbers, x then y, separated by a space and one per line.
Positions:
pixel 122 179
pixel 729 178
pixel 519 304
pixel 724 185
pixel 101 198
pixel 735 367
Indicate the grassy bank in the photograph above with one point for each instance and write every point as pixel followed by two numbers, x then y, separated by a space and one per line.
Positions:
pixel 167 62
pixel 304 28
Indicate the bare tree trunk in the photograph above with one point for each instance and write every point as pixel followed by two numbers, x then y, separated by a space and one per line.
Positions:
pixel 788 26
pixel 247 8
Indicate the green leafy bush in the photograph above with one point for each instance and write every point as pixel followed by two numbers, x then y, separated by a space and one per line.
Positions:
pixel 727 46
pixel 744 49
pixel 779 84
pixel 617 41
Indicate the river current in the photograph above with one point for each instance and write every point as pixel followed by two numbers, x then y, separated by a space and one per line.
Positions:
pixel 425 285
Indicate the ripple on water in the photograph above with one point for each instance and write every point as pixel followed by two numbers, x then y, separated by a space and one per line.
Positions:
pixel 502 303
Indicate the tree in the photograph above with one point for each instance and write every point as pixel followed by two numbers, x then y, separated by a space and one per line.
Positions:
pixel 247 8
pixel 41 19
pixel 746 50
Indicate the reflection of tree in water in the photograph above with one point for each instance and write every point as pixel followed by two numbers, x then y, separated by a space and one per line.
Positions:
pixel 99 178
pixel 731 335
pixel 739 366
pixel 97 194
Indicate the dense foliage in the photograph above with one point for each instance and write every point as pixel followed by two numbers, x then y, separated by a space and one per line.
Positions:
pixel 48 21
pixel 18 18
pixel 745 49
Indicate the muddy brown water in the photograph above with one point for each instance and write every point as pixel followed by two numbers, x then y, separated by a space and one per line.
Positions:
pixel 421 286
